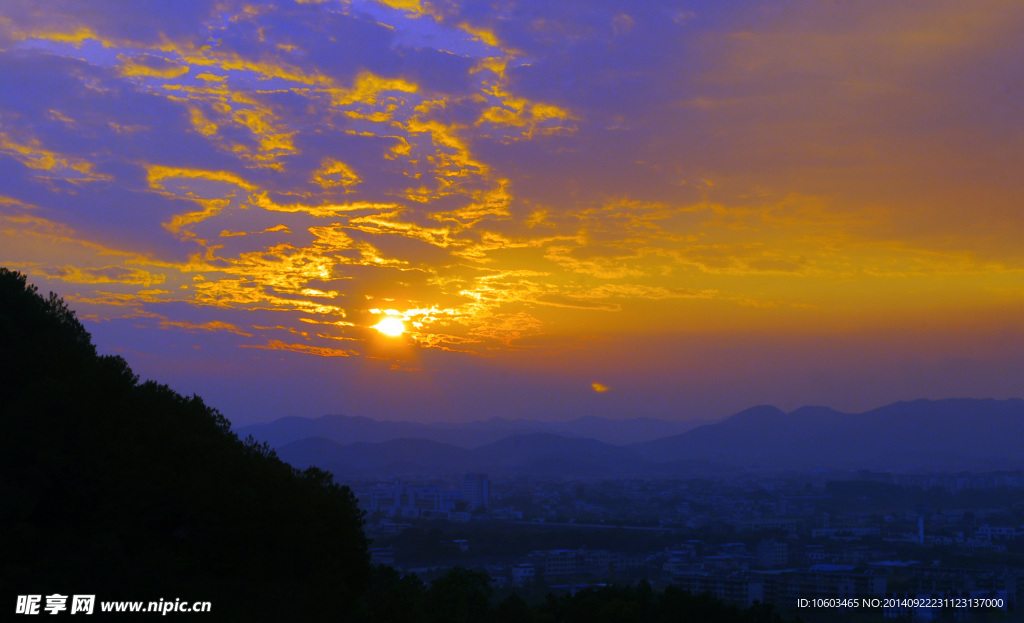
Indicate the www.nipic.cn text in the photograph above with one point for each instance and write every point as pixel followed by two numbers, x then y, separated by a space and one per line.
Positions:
pixel 86 604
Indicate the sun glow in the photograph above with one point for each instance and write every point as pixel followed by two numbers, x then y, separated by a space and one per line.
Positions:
pixel 390 326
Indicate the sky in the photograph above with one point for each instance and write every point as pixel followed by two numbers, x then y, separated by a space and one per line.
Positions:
pixel 673 209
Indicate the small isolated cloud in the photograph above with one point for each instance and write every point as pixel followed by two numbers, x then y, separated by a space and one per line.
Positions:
pixel 599 387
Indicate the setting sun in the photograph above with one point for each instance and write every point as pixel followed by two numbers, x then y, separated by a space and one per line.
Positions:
pixel 390 326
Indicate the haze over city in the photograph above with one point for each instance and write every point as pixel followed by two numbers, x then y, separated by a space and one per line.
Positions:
pixel 450 211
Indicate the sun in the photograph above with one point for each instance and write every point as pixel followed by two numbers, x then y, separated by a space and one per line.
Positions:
pixel 390 326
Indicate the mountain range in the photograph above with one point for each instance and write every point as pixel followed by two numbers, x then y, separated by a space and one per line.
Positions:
pixel 346 429
pixel 948 435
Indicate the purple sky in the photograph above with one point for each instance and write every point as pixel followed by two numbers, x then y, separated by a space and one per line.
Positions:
pixel 666 209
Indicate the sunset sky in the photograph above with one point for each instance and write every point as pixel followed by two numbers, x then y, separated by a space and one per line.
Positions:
pixel 613 208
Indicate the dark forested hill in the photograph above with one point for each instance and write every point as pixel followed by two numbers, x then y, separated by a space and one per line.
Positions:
pixel 128 490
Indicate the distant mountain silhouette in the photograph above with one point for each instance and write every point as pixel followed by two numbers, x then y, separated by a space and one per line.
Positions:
pixel 345 429
pixel 397 456
pixel 534 454
pixel 955 434
pixel 540 454
pixel 923 434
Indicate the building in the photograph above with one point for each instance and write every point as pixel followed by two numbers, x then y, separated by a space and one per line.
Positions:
pixel 382 556
pixel 476 491
pixel 402 500
pixel 523 574
pixel 738 587
pixel 784 587
pixel 772 554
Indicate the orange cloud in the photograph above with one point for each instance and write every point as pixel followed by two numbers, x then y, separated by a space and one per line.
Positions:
pixel 306 349
pixel 213 325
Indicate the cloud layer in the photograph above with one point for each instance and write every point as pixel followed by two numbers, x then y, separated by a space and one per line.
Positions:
pixel 505 177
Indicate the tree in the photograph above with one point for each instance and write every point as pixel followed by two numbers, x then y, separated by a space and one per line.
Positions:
pixel 460 596
pixel 130 489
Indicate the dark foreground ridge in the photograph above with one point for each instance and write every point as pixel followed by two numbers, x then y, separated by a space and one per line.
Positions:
pixel 130 491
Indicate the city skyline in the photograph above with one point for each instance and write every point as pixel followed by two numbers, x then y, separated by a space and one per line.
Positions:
pixel 452 211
